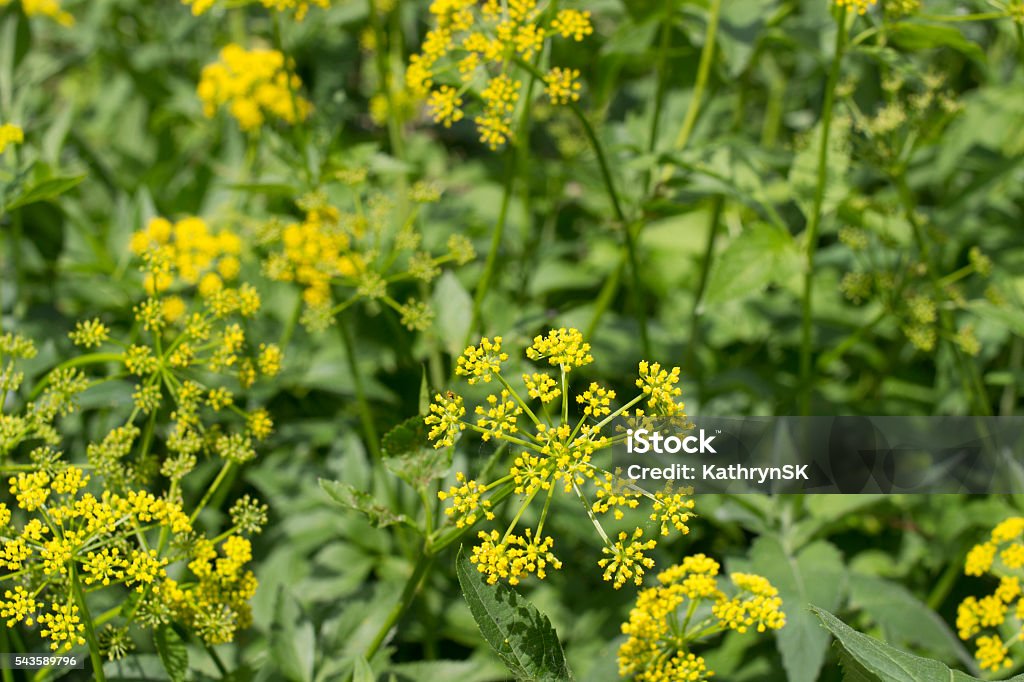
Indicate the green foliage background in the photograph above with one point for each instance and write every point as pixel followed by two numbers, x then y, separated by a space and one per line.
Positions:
pixel 115 135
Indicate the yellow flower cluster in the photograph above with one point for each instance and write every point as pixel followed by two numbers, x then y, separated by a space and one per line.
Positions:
pixel 859 6
pixel 668 620
pixel 187 251
pixel 362 252
pixel 10 134
pixel 57 399
pixel 626 560
pixel 563 347
pixel 1002 556
pixel 314 253
pixel 513 557
pixel 43 8
pixel 253 85
pixel 481 362
pixel 659 387
pixel 77 528
pixel 553 453
pixel 474 46
pixel 217 604
pixel 299 7
pixel 466 503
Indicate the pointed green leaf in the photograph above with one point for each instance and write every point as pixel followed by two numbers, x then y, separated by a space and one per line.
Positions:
pixel 359 500
pixel 869 660
pixel 759 256
pixel 816 574
pixel 46 189
pixel 173 653
pixel 520 634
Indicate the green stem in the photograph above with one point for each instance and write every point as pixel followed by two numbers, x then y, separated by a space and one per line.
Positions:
pixel 973 385
pixel 814 220
pixel 365 413
pixel 383 75
pixel 659 95
pixel 627 228
pixel 5 644
pixel 604 297
pixel 714 224
pixel 81 360
pixel 497 234
pixel 293 321
pixel 412 584
pixel 707 55
pixel 1008 401
pixel 90 633
pixel 221 475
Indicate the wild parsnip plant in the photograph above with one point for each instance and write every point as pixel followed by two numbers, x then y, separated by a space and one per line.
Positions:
pixel 238 249
pixel 687 607
pixel 554 453
pixel 999 614
pixel 72 534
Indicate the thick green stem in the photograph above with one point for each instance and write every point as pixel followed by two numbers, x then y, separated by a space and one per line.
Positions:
pixel 707 55
pixel 90 632
pixel 814 220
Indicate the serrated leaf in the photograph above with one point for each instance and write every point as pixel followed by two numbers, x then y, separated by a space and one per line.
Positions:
pixel 172 651
pixel 758 257
pixel 408 437
pixel 361 501
pixel 520 634
pixel 407 455
pixel 816 574
pixel 870 660
pixel 46 189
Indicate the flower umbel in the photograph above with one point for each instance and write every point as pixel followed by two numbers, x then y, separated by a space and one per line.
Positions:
pixel 553 453
pixel 670 618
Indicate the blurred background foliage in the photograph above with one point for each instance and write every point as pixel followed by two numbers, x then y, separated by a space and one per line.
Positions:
pixel 924 183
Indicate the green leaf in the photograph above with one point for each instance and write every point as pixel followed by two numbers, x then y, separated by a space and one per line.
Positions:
pixel 1006 316
pixel 424 392
pixel 362 672
pixel 351 497
pixel 46 189
pixel 869 660
pixel 815 574
pixel 520 634
pixel 172 651
pixel 903 618
pixel 454 312
pixel 758 257
pixel 803 175
pixel 408 437
pixel 407 455
pixel 915 36
pixel 292 639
